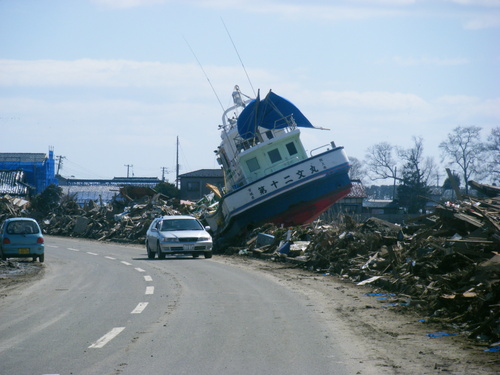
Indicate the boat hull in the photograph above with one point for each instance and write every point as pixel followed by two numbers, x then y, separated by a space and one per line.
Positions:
pixel 296 195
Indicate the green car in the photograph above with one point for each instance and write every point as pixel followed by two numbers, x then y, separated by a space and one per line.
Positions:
pixel 21 237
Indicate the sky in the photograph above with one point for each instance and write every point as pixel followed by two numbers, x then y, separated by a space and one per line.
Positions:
pixel 110 85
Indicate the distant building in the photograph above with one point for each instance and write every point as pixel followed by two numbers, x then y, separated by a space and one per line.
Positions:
pixel 193 184
pixel 382 207
pixel 100 190
pixel 37 172
pixel 13 183
pixel 352 203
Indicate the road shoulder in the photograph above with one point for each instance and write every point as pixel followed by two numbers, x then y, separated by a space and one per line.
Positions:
pixel 394 337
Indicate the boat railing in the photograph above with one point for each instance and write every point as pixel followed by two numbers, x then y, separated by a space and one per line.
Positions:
pixel 288 120
pixel 328 147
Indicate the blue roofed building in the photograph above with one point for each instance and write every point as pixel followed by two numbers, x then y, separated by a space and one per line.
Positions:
pixel 38 170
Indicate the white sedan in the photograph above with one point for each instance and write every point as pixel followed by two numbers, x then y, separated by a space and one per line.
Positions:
pixel 178 235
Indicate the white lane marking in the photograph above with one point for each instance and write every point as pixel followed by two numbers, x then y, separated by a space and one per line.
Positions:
pixel 106 338
pixel 110 258
pixel 91 253
pixel 126 263
pixel 150 290
pixel 148 278
pixel 54 246
pixel 139 308
pixel 140 270
pixel 69 248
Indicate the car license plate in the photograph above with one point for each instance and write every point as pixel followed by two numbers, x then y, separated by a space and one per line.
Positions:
pixel 24 250
pixel 188 247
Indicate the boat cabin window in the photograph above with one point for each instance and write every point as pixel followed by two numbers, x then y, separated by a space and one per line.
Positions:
pixel 274 155
pixel 253 164
pixel 269 134
pixel 292 150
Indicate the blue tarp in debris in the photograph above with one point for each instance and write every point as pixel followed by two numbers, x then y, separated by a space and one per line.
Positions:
pixel 268 113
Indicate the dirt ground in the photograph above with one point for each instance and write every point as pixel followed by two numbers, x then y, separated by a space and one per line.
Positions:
pixel 15 273
pixel 394 337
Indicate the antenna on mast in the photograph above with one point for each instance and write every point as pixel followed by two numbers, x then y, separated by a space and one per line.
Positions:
pixel 239 57
pixel 206 76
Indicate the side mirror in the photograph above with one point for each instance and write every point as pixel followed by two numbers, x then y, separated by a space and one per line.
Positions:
pixel 154 230
pixel 207 228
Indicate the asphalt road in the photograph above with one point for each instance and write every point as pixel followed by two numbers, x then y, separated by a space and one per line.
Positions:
pixel 107 309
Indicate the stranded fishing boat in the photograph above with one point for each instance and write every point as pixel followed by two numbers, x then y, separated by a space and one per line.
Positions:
pixel 269 178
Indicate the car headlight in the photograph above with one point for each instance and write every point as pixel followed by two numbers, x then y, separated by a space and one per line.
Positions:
pixel 169 239
pixel 204 239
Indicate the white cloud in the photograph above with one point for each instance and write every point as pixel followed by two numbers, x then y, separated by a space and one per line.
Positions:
pixel 438 61
pixel 470 107
pixel 123 4
pixel 482 21
pixel 87 72
pixel 487 3
pixel 373 101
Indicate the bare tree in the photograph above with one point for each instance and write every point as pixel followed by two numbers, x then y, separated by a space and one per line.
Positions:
pixel 380 161
pixel 357 171
pixel 414 160
pixel 464 149
pixel 416 173
pixel 493 147
pixel 414 170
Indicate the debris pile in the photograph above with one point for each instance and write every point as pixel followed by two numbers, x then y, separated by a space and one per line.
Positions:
pixel 447 263
pixel 114 222
pixel 12 207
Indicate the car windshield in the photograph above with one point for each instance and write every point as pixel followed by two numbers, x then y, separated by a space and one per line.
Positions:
pixel 22 227
pixel 180 224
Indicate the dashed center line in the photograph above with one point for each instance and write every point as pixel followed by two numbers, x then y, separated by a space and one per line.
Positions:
pixel 106 338
pixel 139 308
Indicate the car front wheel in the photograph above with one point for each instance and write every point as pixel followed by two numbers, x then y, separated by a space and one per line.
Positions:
pixel 151 254
pixel 158 251
pixel 208 254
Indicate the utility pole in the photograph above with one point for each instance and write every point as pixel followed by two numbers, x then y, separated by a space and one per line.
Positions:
pixel 128 168
pixel 394 188
pixel 59 163
pixel 177 165
pixel 163 171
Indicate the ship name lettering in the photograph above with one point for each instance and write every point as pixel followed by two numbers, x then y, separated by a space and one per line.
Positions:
pixel 250 192
pixel 300 173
